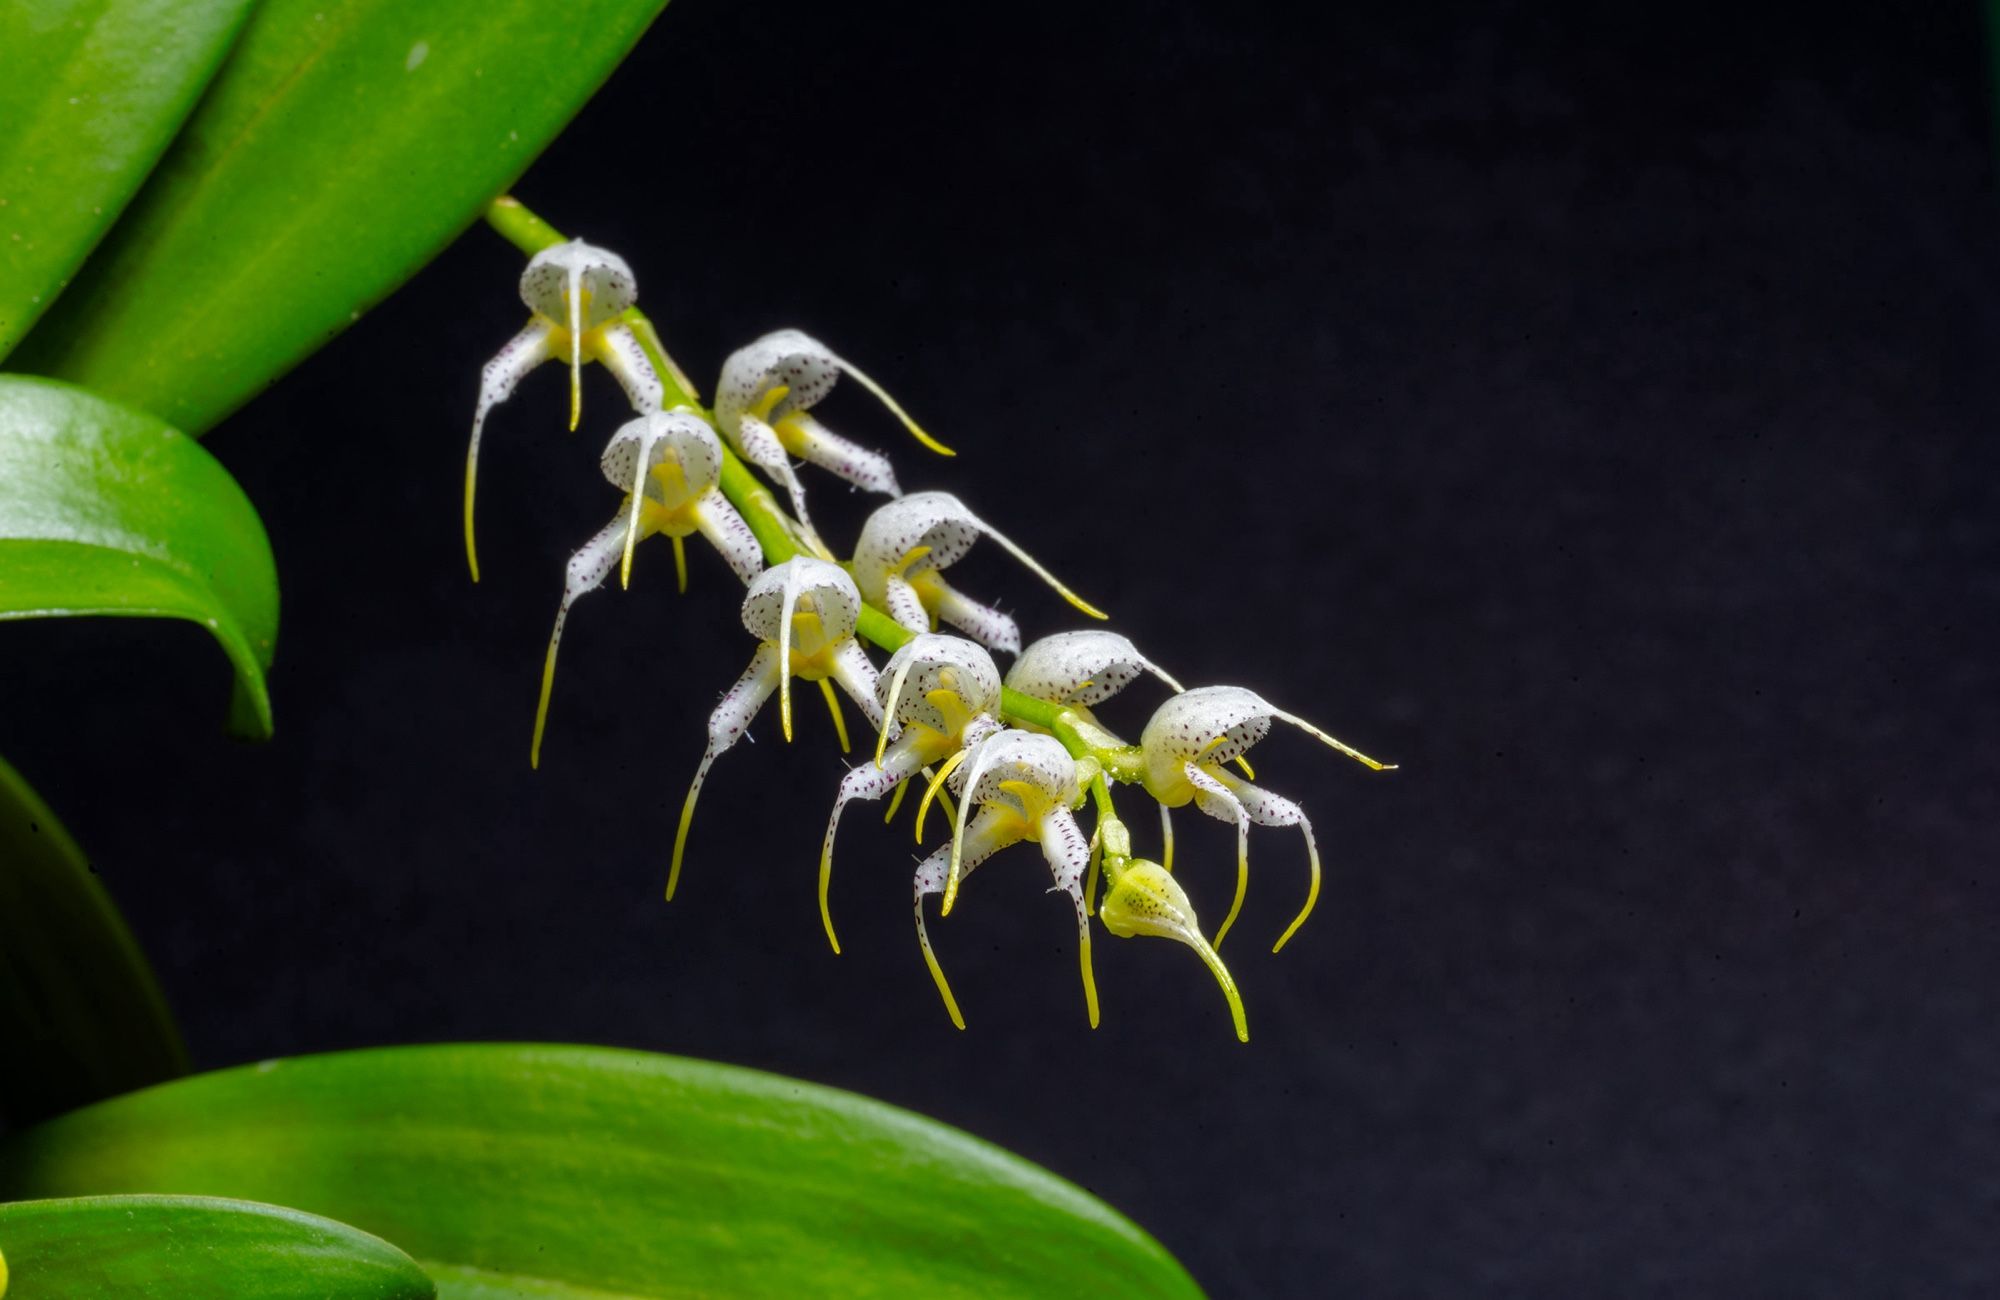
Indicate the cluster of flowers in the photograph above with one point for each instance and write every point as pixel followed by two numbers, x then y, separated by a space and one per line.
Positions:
pixel 1021 751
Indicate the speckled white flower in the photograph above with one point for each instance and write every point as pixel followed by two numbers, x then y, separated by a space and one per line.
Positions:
pixel 803 614
pixel 677 495
pixel 577 292
pixel 1081 669
pixel 1146 900
pixel 1023 786
pixel 944 693
pixel 1186 744
pixel 906 545
pixel 763 406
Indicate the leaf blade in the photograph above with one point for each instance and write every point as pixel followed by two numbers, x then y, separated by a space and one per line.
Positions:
pixel 94 91
pixel 128 1247
pixel 610 1174
pixel 107 511
pixel 241 256
pixel 77 996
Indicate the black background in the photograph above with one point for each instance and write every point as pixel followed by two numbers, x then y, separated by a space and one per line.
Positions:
pixel 1591 410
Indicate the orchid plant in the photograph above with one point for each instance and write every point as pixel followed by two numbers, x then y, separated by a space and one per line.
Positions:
pixel 1022 753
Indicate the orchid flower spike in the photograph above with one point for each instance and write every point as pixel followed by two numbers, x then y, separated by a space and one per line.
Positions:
pixel 763 404
pixel 670 464
pixel 1024 786
pixel 1081 669
pixel 944 692
pixel 1186 744
pixel 803 614
pixel 1145 899
pixel 577 292
pixel 899 563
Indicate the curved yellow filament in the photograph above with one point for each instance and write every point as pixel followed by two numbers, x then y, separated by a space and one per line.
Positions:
pixel 1242 875
pixel 542 705
pixel 882 396
pixel 1035 567
pixel 833 707
pixel 791 601
pixel 937 975
pixel 1340 745
pixel 1213 960
pixel 687 819
pixel 937 785
pixel 979 766
pixel 1089 978
pixel 889 712
pixel 645 453
pixel 1244 763
pixel 575 346
pixel 895 801
pixel 1312 891
pixel 471 547
pixel 826 889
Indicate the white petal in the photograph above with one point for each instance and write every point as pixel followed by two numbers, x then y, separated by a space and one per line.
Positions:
pixel 868 470
pixel 730 535
pixel 623 355
pixel 584 574
pixel 1038 760
pixel 1207 724
pixel 1086 667
pixel 828 583
pixel 497 380
pixel 982 623
pixel 726 725
pixel 931 661
pixel 604 278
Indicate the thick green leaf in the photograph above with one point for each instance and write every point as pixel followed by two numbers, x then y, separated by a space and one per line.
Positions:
pixel 93 91
pixel 582 1172
pixel 342 146
pixel 104 510
pixel 79 1011
pixel 188 1247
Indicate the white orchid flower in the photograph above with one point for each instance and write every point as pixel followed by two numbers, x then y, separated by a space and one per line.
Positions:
pixel 803 614
pixel 1080 670
pixel 899 563
pixel 944 693
pixel 1186 744
pixel 1024 786
pixel 577 292
pixel 670 465
pixel 1146 900
pixel 763 406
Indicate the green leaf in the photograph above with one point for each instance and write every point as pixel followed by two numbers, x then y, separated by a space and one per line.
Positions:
pixel 583 1172
pixel 94 91
pixel 77 999
pixel 140 1247
pixel 343 145
pixel 104 510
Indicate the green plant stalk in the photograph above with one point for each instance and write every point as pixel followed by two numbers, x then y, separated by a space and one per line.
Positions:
pixel 773 527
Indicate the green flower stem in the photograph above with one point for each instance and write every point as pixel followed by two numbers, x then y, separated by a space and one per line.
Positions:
pixel 775 530
pixel 521 227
